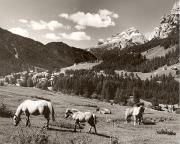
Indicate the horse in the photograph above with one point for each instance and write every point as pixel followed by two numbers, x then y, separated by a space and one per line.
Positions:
pixel 103 111
pixel 82 117
pixel 34 107
pixel 136 112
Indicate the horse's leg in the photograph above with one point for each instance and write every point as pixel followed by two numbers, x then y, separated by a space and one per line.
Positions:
pixel 95 129
pixel 134 120
pixel 90 129
pixel 79 126
pixel 76 123
pixel 47 125
pixel 75 127
pixel 125 120
pixel 138 120
pixel 27 120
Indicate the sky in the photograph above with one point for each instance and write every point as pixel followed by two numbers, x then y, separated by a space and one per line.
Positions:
pixel 80 23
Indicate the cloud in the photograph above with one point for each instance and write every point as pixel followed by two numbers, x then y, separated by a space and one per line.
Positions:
pixel 19 31
pixel 42 25
pixel 77 36
pixel 64 15
pixel 104 18
pixel 80 27
pixel 23 21
pixel 52 36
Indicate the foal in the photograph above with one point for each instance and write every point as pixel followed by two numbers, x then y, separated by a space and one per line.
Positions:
pixel 81 117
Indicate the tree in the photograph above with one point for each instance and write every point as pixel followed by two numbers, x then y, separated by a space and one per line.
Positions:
pixel 136 95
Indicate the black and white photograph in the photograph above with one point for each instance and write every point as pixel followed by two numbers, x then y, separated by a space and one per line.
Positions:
pixel 89 72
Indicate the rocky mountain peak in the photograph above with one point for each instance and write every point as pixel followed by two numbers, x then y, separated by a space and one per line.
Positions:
pixel 175 9
pixel 129 37
pixel 169 23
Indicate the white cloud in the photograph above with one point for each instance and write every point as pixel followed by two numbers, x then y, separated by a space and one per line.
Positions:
pixel 19 31
pixel 67 27
pixel 23 21
pixel 80 27
pixel 64 15
pixel 41 25
pixel 103 18
pixel 77 36
pixel 52 36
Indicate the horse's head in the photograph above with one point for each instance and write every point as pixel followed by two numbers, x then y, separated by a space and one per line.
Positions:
pixel 16 120
pixel 68 113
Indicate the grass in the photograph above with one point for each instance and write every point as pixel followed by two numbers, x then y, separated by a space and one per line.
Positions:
pixel 37 97
pixel 31 136
pixel 86 105
pixel 111 128
pixel 65 124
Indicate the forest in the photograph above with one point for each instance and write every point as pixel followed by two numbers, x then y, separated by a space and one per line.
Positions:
pixel 89 84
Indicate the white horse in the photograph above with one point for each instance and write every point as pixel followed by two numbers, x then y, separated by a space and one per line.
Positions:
pixel 103 111
pixel 34 107
pixel 82 117
pixel 136 112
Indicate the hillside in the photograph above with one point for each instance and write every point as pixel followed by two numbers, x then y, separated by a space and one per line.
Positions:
pixel 157 51
pixel 80 66
pixel 111 128
pixel 19 53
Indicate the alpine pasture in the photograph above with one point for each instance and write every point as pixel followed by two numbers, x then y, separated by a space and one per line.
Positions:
pixel 111 128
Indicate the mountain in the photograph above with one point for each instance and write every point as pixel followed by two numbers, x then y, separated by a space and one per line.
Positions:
pixel 18 53
pixel 132 40
pixel 65 55
pixel 127 38
pixel 169 24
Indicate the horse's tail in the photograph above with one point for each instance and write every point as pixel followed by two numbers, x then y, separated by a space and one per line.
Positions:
pixel 52 112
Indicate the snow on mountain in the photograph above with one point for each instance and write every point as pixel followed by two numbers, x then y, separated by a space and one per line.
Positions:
pixel 127 38
pixel 169 23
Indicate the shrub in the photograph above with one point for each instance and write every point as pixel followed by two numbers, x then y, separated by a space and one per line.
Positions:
pixel 12 80
pixel 166 131
pixel 31 137
pixel 1 83
pixel 42 85
pixel 29 82
pixel 4 111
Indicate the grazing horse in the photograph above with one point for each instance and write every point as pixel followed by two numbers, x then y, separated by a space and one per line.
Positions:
pixel 136 112
pixel 82 117
pixel 34 107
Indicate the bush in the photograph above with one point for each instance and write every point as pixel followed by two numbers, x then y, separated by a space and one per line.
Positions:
pixel 166 131
pixel 4 111
pixel 29 82
pixel 42 85
pixel 1 83
pixel 31 137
